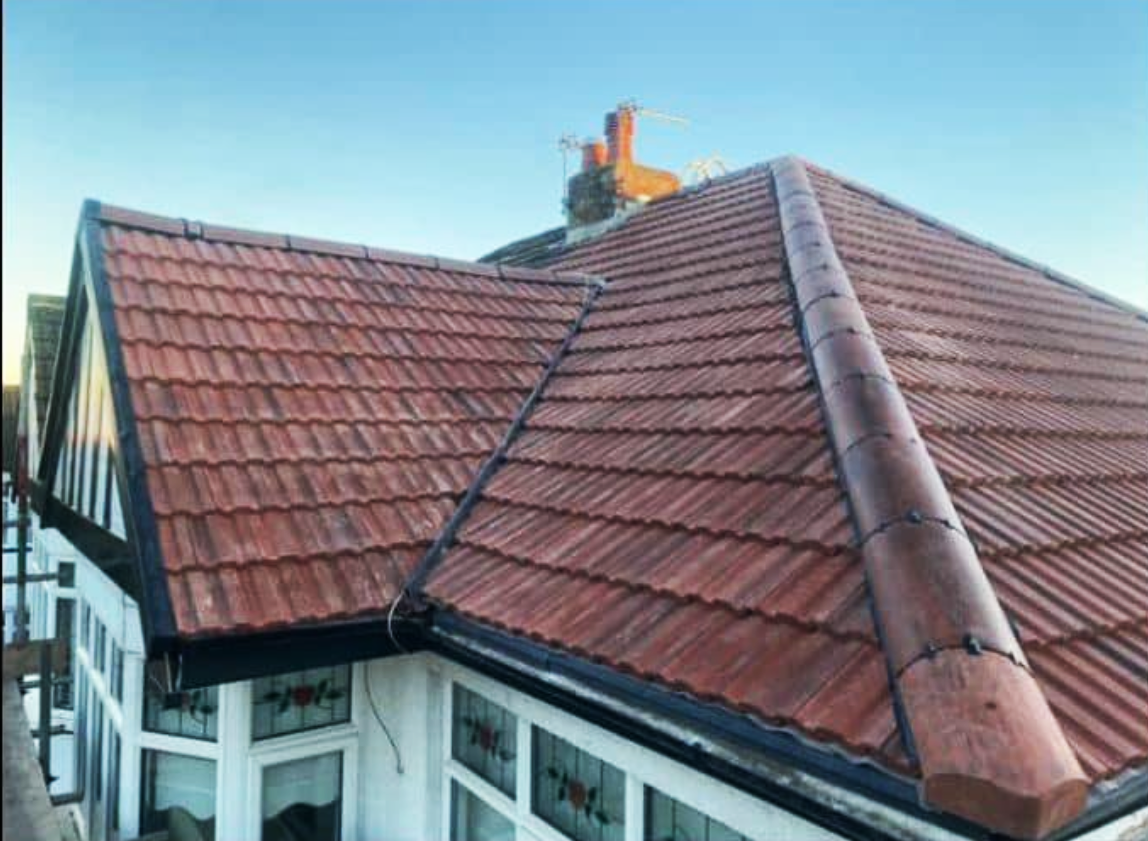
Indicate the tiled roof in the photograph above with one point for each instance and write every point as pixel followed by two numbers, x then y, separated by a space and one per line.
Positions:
pixel 672 508
pixel 1033 400
pixel 679 505
pixel 309 413
pixel 45 320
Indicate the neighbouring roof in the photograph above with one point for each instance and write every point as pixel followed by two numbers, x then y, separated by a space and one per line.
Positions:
pixel 697 496
pixel 11 409
pixel 44 321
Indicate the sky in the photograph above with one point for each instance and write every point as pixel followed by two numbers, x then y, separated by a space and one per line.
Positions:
pixel 433 127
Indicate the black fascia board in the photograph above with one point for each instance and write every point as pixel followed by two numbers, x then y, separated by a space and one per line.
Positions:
pixel 131 474
pixel 210 661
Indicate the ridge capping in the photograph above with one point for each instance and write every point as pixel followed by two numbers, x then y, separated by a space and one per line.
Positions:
pixel 988 745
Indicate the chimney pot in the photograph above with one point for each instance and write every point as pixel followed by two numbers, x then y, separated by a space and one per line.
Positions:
pixel 594 155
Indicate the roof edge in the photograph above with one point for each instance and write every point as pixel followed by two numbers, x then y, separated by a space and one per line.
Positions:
pixel 989 747
pixel 972 239
pixel 173 226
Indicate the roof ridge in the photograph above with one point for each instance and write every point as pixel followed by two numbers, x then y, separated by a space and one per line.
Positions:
pixel 951 654
pixel 972 239
pixel 189 229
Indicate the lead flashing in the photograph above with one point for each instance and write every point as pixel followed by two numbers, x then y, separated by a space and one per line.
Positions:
pixel 989 747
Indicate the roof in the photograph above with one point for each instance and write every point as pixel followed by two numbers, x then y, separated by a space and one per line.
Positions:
pixel 1027 389
pixel 308 413
pixel 44 322
pixel 806 456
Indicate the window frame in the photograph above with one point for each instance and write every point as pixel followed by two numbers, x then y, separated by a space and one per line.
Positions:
pixel 308 744
pixel 641 766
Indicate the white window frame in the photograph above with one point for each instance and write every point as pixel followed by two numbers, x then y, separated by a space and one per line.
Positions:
pixel 340 738
pixel 642 767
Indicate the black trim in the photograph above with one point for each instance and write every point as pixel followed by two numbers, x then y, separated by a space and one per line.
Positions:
pixel 96 543
pixel 446 536
pixel 139 517
pixel 222 660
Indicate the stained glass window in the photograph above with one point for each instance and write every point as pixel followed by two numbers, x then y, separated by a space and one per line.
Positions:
pixel 178 796
pixel 193 714
pixel 670 820
pixel 473 820
pixel 576 792
pixel 297 701
pixel 484 738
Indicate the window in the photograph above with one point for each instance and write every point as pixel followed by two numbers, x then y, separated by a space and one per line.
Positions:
pixel 289 703
pixel 117 672
pixel 192 714
pixel 81 740
pixel 670 820
pixel 484 738
pixel 303 799
pixel 584 784
pixel 98 754
pixel 113 781
pixel 98 646
pixel 473 820
pixel 576 792
pixel 66 574
pixel 62 688
pixel 178 796
pixel 84 613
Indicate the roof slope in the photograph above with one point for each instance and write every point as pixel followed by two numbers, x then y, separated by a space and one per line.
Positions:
pixel 44 323
pixel 1029 393
pixel 1032 398
pixel 672 508
pixel 309 413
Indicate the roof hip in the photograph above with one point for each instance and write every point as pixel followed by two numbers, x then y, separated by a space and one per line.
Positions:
pixel 988 745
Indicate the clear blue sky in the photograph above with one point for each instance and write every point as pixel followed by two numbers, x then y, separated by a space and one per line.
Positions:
pixel 433 127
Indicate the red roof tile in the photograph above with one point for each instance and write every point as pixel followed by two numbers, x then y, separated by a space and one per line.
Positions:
pixel 1032 398
pixel 308 417
pixel 677 474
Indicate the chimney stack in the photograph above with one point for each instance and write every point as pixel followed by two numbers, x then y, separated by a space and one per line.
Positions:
pixel 620 134
pixel 611 185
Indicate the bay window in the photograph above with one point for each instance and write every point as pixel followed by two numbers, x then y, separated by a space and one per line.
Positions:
pixel 517 769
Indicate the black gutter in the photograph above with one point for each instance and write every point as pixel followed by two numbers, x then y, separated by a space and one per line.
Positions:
pixel 211 661
pixel 446 536
pixel 155 600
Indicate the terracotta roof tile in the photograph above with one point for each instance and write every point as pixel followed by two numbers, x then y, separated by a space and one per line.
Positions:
pixel 671 508
pixel 309 416
pixel 1031 396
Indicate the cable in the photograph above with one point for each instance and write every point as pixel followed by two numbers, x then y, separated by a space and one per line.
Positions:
pixel 379 718
pixel 391 620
